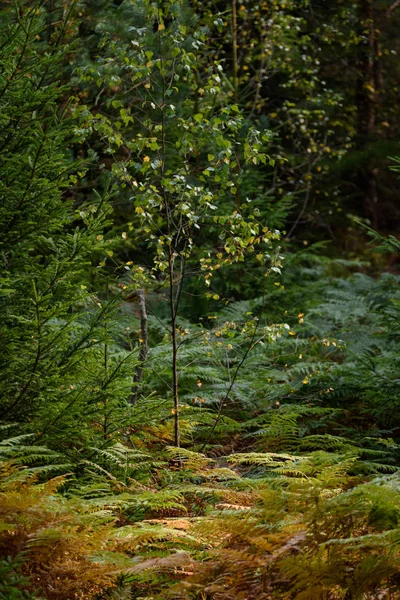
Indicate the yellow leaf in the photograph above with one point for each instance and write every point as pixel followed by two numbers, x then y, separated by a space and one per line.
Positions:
pixel 161 27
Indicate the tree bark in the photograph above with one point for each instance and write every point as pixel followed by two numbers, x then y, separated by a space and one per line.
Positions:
pixel 143 352
pixel 368 86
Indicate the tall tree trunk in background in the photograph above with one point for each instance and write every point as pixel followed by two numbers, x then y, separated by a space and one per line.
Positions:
pixel 50 19
pixel 368 86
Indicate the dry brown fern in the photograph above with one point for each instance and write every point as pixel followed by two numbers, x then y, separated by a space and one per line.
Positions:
pixel 56 538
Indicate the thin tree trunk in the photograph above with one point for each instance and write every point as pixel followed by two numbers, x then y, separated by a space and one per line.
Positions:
pixel 143 352
pixel 365 87
pixel 235 70
pixel 234 51
pixel 173 238
pixel 175 382
pixel 367 90
pixel 50 18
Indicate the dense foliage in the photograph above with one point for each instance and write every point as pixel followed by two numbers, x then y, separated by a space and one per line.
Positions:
pixel 200 300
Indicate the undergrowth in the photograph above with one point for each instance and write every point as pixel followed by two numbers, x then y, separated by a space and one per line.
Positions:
pixel 253 525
